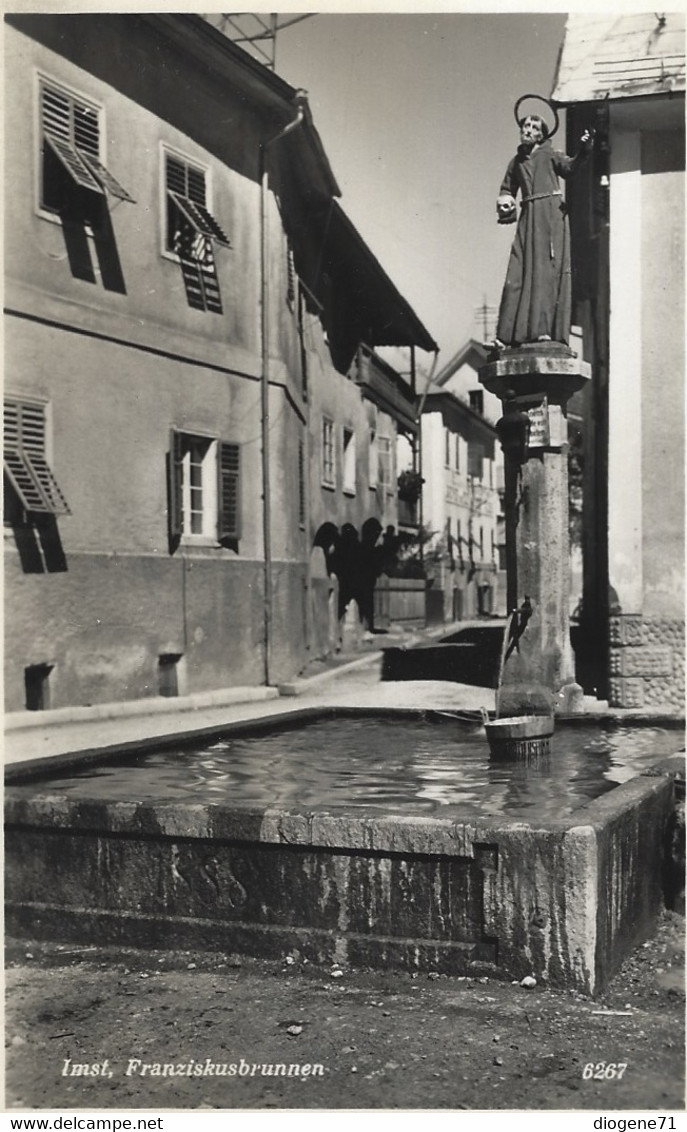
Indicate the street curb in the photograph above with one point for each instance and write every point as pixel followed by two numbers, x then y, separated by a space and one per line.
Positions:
pixel 298 687
pixel 152 705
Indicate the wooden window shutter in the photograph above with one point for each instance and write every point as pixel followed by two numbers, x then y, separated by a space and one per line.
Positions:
pixel 229 491
pixel 174 489
pixel 25 462
pixel 301 483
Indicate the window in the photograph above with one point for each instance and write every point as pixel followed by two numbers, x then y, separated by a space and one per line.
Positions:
pixel 190 230
pixel 349 461
pixel 26 464
pixel 70 151
pixel 457 452
pixel 477 400
pixel 188 217
pixel 481 544
pixel 475 458
pixel 328 452
pixel 447 448
pixel 373 460
pixel 204 489
pixel 384 463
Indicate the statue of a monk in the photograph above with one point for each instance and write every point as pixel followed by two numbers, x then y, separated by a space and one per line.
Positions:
pixel 535 305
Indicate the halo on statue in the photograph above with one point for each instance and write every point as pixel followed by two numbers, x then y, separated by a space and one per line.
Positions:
pixel 539 98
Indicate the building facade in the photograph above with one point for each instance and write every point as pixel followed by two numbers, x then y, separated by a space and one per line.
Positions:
pixel 461 507
pixel 625 78
pixel 481 492
pixel 167 364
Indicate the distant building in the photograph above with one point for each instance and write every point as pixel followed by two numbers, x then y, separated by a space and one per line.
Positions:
pixel 186 303
pixel 460 508
pixel 624 77
pixel 458 377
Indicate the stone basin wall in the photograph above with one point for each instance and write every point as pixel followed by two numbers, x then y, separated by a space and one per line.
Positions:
pixel 564 901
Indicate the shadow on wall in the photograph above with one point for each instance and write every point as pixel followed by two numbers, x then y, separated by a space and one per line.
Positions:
pixel 78 211
pixel 358 560
pixel 36 537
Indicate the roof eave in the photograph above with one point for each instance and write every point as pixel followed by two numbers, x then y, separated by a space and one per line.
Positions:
pixel 208 45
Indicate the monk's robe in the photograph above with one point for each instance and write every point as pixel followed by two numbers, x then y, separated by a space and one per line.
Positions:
pixel 537 292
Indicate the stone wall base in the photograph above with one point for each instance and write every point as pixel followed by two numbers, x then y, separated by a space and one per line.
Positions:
pixel 647 663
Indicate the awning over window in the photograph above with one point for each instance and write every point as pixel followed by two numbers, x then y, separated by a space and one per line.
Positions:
pixel 85 169
pixel 200 219
pixel 103 175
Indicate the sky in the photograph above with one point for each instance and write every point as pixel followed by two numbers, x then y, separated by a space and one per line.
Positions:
pixel 415 112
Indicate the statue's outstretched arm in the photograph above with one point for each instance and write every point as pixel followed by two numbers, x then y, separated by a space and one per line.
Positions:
pixel 565 165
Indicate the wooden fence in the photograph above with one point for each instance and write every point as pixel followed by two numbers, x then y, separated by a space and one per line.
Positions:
pixel 400 601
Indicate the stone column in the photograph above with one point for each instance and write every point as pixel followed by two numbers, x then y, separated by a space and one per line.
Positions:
pixel 535 383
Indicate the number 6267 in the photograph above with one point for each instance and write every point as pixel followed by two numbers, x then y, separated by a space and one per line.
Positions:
pixel 604 1071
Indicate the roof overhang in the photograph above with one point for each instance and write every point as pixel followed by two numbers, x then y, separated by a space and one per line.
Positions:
pixel 460 416
pixel 250 78
pixel 472 353
pixel 611 56
pixel 388 318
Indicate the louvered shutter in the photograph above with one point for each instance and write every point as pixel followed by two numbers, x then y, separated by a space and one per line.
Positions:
pixel 174 489
pixel 105 178
pixel 73 163
pixel 25 462
pixel 71 130
pixel 198 217
pixel 301 482
pixel 229 491
pixel 33 445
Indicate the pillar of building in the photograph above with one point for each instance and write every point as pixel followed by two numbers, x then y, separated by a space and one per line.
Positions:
pixel 535 383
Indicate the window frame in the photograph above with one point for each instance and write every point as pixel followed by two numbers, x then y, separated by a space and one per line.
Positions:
pixel 200 167
pixel 221 468
pixel 373 460
pixel 348 485
pixel 476 400
pixel 385 458
pixel 41 80
pixel 104 181
pixel 328 446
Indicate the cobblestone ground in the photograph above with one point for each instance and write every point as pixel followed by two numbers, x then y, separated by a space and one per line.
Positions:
pixel 383 1040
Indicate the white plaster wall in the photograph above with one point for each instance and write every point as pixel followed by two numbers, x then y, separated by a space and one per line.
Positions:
pixel 433 508
pixel 465 379
pixel 663 368
pixel 625 373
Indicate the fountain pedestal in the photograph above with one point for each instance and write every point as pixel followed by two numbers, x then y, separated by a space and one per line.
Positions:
pixel 535 383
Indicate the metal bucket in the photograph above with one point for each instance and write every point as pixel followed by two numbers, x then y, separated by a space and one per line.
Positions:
pixel 525 737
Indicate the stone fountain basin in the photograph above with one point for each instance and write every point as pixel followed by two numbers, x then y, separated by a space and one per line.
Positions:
pixel 562 900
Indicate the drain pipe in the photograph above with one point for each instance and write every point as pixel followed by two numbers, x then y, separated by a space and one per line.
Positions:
pixel 299 102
